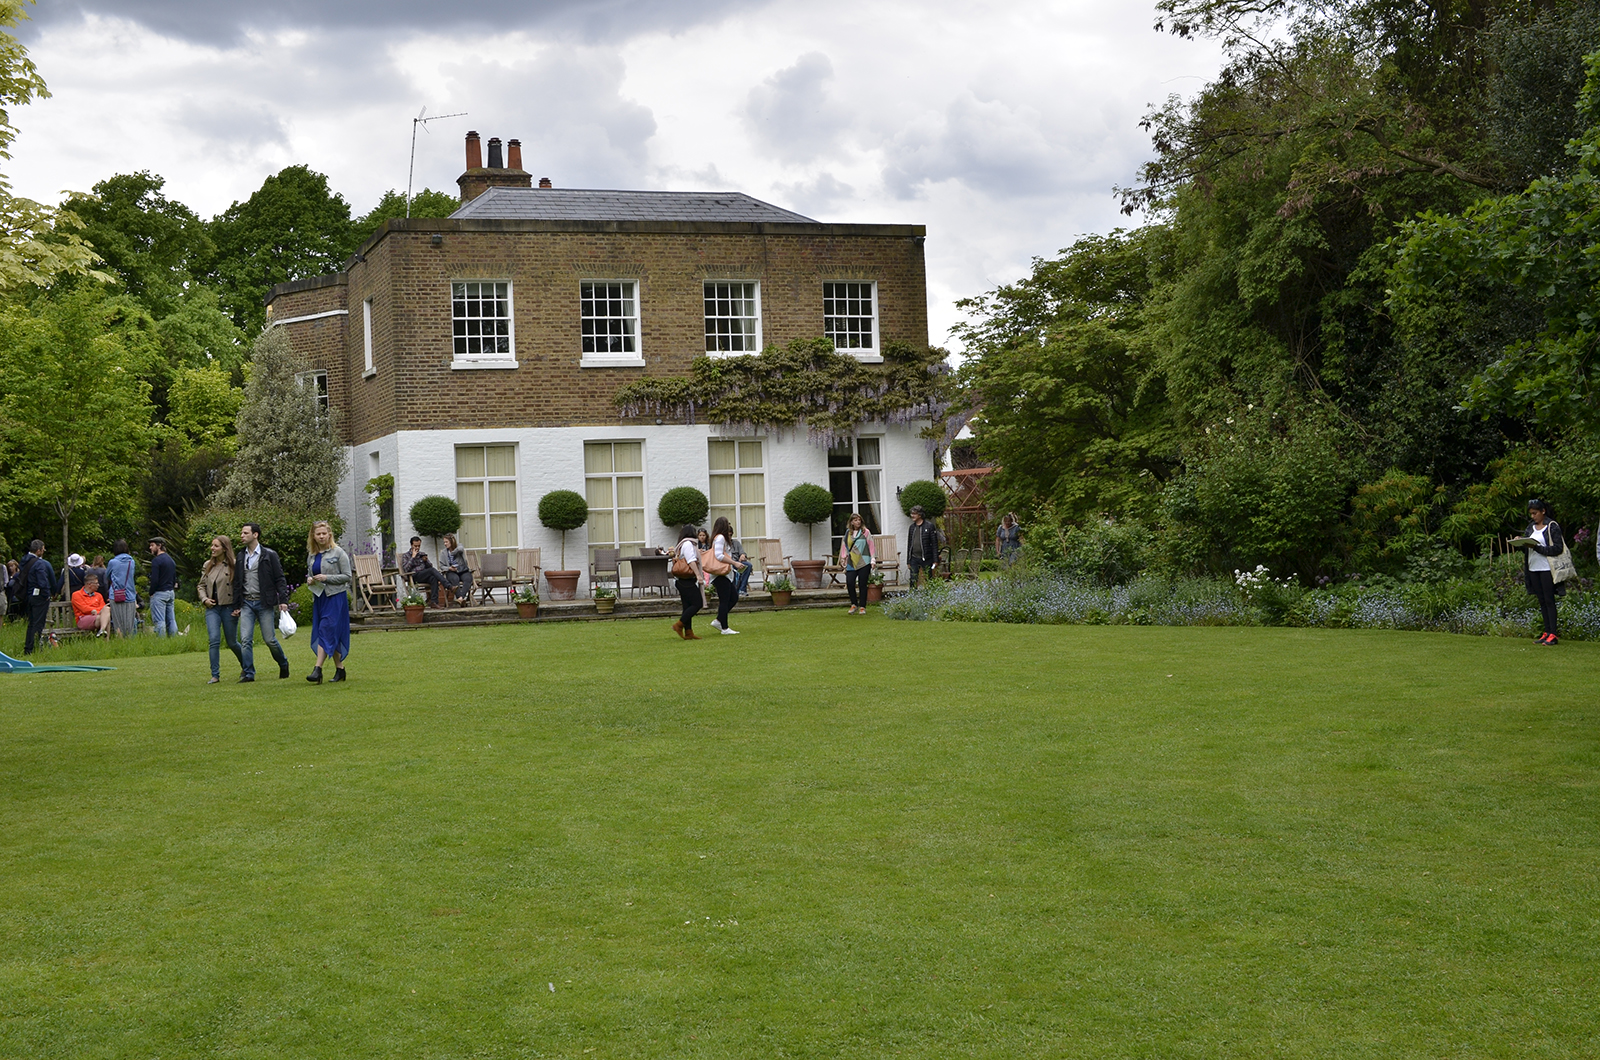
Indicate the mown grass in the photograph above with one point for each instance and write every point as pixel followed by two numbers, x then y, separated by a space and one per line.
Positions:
pixel 830 836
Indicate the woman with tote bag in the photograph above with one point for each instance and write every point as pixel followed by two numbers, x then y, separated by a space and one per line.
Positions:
pixel 856 556
pixel 686 569
pixel 1547 565
pixel 718 563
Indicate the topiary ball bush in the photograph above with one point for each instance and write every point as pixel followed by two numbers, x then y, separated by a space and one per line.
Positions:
pixel 807 503
pixel 683 504
pixel 436 516
pixel 563 510
pixel 925 492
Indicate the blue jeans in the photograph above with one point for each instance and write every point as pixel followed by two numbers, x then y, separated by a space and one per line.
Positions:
pixel 163 618
pixel 741 580
pixel 221 624
pixel 252 612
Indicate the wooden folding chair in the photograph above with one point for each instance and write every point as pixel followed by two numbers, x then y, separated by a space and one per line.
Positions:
pixel 526 572
pixel 773 561
pixel 887 558
pixel 370 582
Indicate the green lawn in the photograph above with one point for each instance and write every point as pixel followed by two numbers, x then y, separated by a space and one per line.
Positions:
pixel 1062 841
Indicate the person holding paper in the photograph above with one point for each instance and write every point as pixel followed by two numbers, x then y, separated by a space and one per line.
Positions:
pixel 1542 541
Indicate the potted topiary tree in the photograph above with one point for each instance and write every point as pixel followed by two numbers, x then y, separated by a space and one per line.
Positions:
pixel 683 504
pixel 563 510
pixel 808 504
pixel 527 600
pixel 436 516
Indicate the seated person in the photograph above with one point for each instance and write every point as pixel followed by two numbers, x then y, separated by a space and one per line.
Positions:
pixel 89 607
pixel 741 568
pixel 76 571
pixel 416 566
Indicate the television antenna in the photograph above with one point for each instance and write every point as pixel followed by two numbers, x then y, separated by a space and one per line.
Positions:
pixel 421 119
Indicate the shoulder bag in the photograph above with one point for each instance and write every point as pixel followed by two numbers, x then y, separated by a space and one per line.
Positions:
pixel 680 567
pixel 711 564
pixel 1561 567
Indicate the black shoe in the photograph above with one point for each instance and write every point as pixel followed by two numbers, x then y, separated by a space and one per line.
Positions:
pixel 338 674
pixel 246 680
pixel 315 676
pixel 283 670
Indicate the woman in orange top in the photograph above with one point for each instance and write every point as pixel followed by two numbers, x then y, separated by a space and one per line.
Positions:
pixel 89 607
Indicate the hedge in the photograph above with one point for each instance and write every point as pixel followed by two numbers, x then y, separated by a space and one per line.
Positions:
pixel 283 530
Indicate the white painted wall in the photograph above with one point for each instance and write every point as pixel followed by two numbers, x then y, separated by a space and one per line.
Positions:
pixel 551 458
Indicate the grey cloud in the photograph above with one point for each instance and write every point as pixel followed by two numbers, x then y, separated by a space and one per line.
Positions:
pixel 813 197
pixel 567 109
pixel 224 21
pixel 235 128
pixel 986 144
pixel 790 114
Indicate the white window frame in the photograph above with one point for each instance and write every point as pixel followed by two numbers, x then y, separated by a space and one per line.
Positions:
pixel 739 473
pixel 855 469
pixel 488 512
pixel 614 360
pixel 756 297
pixel 469 361
pixel 366 332
pixel 613 475
pixel 318 378
pixel 868 354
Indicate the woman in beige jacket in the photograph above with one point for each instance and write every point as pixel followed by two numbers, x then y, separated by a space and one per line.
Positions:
pixel 216 594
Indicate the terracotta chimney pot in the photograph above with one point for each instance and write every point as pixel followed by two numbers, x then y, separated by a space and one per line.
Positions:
pixel 544 182
pixel 514 154
pixel 474 151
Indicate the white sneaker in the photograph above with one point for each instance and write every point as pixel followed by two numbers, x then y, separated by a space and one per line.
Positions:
pixel 730 633
pixel 715 624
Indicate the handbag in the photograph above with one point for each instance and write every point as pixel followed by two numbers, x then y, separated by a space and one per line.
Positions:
pixel 1561 567
pixel 681 568
pixel 119 596
pixel 714 566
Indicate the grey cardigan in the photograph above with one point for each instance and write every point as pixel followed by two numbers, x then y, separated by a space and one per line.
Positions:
pixel 336 567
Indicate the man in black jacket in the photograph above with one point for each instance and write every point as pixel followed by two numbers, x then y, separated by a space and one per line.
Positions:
pixel 922 545
pixel 39 584
pixel 260 591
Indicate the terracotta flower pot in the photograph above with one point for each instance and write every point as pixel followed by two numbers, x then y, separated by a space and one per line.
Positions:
pixel 780 597
pixel 874 592
pixel 563 583
pixel 414 614
pixel 808 573
pixel 527 611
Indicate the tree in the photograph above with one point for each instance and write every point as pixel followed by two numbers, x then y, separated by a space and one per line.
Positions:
pixel 292 228
pixel 75 412
pixel 563 510
pixel 436 516
pixel 288 449
pixel 37 243
pixel 682 504
pixel 426 203
pixel 808 504
pixel 204 407
pixel 924 492
pixel 153 245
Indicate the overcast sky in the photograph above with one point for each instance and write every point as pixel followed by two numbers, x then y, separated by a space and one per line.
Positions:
pixel 1002 127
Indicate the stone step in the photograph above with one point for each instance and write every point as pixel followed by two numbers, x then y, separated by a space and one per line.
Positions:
pixel 583 610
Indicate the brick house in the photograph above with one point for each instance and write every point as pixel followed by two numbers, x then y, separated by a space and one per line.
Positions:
pixel 478 356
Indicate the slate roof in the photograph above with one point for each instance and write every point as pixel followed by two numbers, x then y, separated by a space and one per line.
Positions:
pixel 583 204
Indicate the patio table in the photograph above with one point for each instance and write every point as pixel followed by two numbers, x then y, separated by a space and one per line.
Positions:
pixel 649 572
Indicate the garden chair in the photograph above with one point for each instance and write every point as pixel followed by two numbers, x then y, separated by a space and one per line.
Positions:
pixel 493 572
pixel 887 556
pixel 526 572
pixel 370 582
pixel 604 567
pixel 773 561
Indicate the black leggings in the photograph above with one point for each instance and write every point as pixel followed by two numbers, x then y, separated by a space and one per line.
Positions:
pixel 727 596
pixel 855 583
pixel 689 589
pixel 1540 585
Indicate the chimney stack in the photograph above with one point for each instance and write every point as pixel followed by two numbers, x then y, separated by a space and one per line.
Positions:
pixel 480 178
pixel 514 154
pixel 544 182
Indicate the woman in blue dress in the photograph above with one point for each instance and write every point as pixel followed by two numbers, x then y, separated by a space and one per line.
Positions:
pixel 328 573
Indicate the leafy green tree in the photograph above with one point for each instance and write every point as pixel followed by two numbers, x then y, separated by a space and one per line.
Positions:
pixel 205 407
pixel 1541 243
pixel 682 504
pixel 291 228
pixel 37 243
pixel 153 245
pixel 808 504
pixel 426 203
pixel 75 411
pixel 563 510
pixel 288 451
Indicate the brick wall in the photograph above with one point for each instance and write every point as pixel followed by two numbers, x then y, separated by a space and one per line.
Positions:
pixel 408 278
